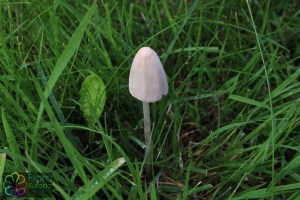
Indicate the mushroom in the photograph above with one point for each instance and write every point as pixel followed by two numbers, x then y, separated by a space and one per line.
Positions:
pixel 147 83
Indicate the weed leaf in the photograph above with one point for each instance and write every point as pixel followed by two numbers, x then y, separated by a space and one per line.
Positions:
pixel 92 98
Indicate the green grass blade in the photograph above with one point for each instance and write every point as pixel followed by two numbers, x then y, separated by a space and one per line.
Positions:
pixel 70 49
pixel 57 177
pixel 153 192
pixel 277 91
pixel 67 54
pixel 221 130
pixel 62 62
pixel 199 189
pixel 95 184
pixel 248 101
pixel 188 15
pixel 13 145
pixel 186 183
pixel 2 165
pixel 263 193
pixel 289 169
pixel 71 151
pixel 55 103
pixel 132 166
pixel 61 191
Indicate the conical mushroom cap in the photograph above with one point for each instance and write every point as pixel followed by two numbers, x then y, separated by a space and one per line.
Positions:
pixel 147 79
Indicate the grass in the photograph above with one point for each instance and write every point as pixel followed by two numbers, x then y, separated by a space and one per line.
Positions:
pixel 228 129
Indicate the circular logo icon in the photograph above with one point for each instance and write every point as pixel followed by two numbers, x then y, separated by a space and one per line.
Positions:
pixel 15 185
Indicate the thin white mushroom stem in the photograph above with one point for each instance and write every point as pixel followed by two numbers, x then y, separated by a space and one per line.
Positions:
pixel 148 141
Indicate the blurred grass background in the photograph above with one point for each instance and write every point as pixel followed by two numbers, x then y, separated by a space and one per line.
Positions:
pixel 228 129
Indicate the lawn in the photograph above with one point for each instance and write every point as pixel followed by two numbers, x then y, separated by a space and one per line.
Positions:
pixel 229 127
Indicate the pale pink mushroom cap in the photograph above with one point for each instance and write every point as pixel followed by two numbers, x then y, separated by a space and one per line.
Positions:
pixel 147 79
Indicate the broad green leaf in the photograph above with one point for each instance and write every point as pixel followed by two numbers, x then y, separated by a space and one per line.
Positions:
pixel 92 98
